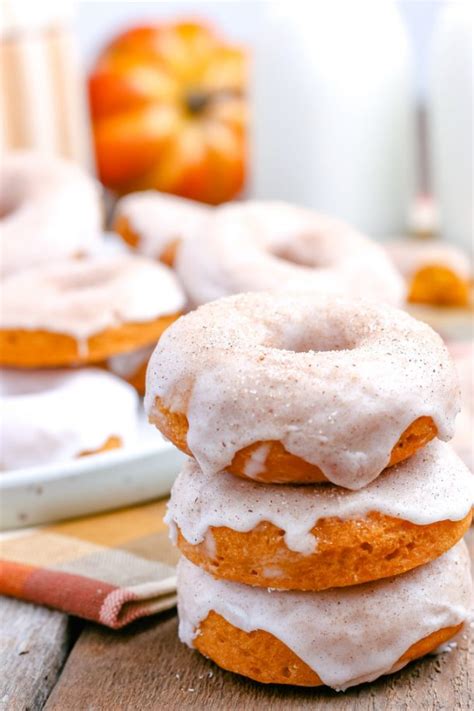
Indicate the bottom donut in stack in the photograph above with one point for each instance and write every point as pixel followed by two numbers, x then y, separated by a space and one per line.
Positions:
pixel 337 637
pixel 312 585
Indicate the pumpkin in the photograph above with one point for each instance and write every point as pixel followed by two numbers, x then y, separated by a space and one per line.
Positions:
pixel 169 112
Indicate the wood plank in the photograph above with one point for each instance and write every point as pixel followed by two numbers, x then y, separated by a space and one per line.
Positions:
pixel 146 667
pixel 34 643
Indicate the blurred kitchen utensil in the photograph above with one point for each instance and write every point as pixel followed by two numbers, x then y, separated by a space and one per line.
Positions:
pixel 42 91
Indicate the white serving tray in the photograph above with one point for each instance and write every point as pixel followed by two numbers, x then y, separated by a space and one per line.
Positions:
pixel 99 482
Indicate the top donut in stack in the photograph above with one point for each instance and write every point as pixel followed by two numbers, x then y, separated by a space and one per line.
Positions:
pixel 301 387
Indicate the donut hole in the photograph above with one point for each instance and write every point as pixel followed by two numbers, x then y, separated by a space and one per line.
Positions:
pixel 14 192
pixel 84 278
pixel 305 342
pixel 307 348
pixel 8 204
pixel 304 333
pixel 308 250
pixel 288 253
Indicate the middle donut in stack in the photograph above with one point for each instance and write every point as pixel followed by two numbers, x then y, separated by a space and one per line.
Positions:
pixel 270 391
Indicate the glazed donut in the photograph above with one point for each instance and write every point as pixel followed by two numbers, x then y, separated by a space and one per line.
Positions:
pixel 339 637
pixel 318 537
pixel 255 246
pixel 132 367
pixel 155 223
pixel 84 311
pixel 55 415
pixel 435 273
pixel 462 353
pixel 299 387
pixel 50 209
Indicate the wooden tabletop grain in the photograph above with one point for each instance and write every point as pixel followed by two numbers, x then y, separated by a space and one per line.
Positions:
pixel 53 662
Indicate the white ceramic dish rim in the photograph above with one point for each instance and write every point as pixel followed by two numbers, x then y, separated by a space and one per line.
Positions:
pixel 57 470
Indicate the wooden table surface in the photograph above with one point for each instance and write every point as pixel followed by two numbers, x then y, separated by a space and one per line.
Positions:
pixel 50 661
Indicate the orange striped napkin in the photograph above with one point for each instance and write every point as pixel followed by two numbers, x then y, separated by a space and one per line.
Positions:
pixel 110 568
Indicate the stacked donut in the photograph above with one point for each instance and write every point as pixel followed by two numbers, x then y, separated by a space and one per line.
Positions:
pixel 321 512
pixel 68 302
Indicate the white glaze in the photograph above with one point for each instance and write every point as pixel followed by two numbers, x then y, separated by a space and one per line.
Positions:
pixel 410 256
pixel 243 371
pixel 255 464
pixel 83 297
pixel 433 485
pixel 160 219
pixel 256 246
pixel 347 636
pixel 50 209
pixel 126 365
pixel 55 415
pixel 462 353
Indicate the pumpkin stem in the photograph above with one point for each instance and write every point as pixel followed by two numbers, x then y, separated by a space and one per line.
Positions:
pixel 196 101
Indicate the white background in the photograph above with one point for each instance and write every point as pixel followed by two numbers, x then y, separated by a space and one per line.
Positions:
pixel 240 20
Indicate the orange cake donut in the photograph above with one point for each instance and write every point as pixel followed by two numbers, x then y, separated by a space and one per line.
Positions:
pixel 339 638
pixel 318 537
pixel 435 272
pixel 49 209
pixel 55 415
pixel 256 246
pixel 84 311
pixel 300 387
pixel 155 223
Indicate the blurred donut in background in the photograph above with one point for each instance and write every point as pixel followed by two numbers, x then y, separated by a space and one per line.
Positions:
pixel 154 223
pixel 86 310
pixel 55 415
pixel 261 245
pixel 436 273
pixel 50 209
